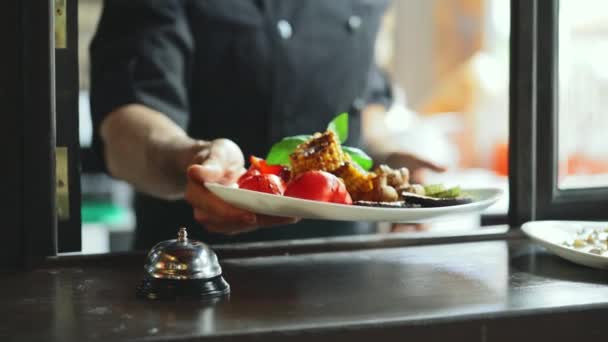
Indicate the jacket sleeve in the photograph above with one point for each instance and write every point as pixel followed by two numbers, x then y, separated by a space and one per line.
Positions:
pixel 141 53
pixel 378 90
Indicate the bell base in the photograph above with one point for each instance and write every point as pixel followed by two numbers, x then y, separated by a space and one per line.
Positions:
pixel 171 289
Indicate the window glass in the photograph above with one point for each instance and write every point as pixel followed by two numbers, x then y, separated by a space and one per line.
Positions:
pixel 583 85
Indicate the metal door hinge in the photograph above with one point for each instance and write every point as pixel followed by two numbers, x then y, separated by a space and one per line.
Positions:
pixel 62 185
pixel 61 28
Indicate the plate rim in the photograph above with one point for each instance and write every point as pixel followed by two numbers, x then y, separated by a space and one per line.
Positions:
pixel 529 226
pixel 375 214
pixel 498 193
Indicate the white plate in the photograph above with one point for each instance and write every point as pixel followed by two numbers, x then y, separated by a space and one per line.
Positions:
pixel 268 204
pixel 551 235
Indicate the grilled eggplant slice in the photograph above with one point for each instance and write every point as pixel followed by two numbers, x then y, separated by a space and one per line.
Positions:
pixel 396 204
pixel 426 201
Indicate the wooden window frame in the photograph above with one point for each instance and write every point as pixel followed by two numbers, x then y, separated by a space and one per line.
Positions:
pixel 28 130
pixel 553 202
pixel 27 91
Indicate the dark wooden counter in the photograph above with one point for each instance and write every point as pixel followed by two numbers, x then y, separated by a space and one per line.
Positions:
pixel 475 291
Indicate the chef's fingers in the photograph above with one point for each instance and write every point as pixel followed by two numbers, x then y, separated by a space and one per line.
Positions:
pixel 203 199
pixel 217 226
pixel 269 221
pixel 425 164
pixel 418 176
pixel 226 153
pixel 225 225
pixel 229 230
pixel 213 173
pixel 219 162
pixel 220 224
pixel 408 228
pixel 200 216
pixel 232 175
pixel 412 162
pixel 202 150
pixel 209 171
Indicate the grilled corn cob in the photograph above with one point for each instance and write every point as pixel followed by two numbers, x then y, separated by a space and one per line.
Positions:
pixel 356 180
pixel 322 152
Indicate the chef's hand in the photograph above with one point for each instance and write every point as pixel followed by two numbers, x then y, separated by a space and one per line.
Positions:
pixel 415 164
pixel 221 161
pixel 409 227
pixel 374 133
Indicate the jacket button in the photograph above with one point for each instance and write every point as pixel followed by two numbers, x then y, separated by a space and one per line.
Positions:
pixel 358 104
pixel 284 28
pixel 354 23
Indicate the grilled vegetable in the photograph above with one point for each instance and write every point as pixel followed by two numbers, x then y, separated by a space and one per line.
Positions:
pixel 440 191
pixel 264 168
pixel 427 201
pixel 267 183
pixel 318 186
pixel 355 179
pixel 431 189
pixel 322 152
pixel 396 204
pixel 449 193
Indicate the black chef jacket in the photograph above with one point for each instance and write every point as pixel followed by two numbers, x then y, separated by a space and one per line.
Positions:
pixel 253 71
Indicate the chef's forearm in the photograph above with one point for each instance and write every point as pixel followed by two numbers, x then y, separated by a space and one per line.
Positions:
pixel 148 150
pixel 374 131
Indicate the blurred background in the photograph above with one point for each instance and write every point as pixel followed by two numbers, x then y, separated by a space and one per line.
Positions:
pixel 583 86
pixel 449 64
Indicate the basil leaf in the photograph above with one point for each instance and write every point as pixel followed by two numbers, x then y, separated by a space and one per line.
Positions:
pixel 279 153
pixel 340 126
pixel 359 157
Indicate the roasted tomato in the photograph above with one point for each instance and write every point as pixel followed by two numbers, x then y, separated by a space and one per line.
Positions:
pixel 251 172
pixel 271 184
pixel 264 168
pixel 341 195
pixel 285 174
pixel 319 186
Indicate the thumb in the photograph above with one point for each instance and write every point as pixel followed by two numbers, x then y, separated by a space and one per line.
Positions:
pixel 210 171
